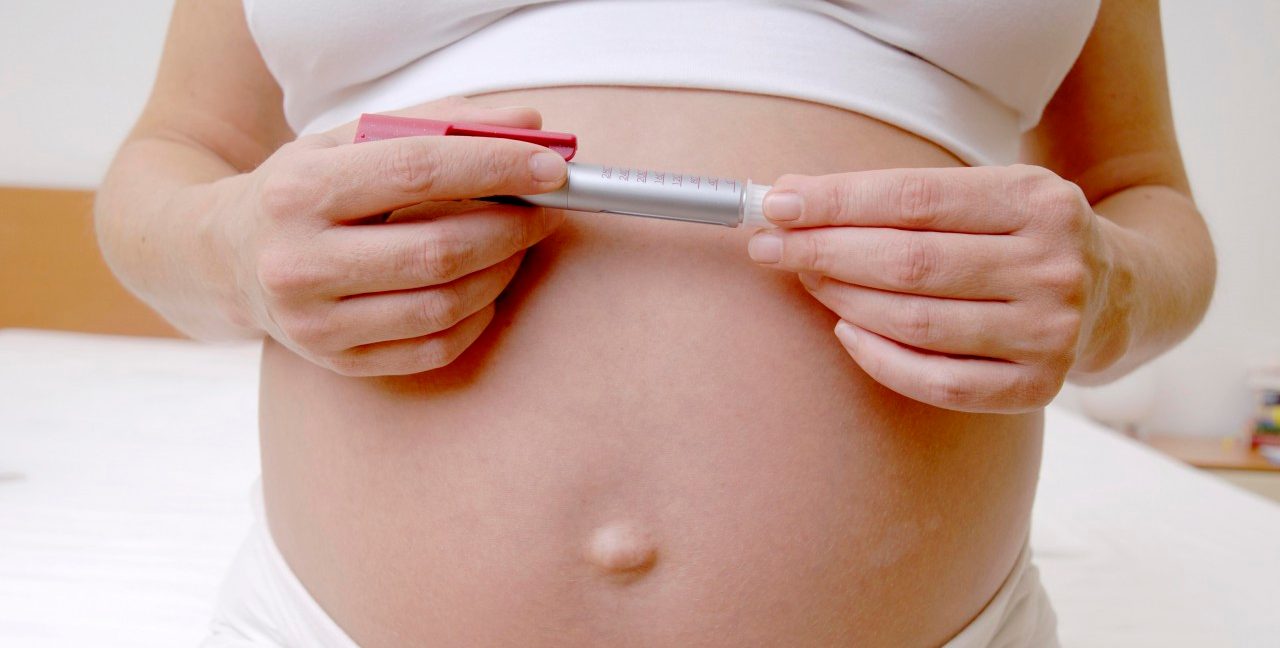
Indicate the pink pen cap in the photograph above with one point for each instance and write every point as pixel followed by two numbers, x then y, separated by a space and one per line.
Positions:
pixel 379 127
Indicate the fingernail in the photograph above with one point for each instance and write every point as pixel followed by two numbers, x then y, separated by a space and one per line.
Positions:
pixel 783 206
pixel 547 166
pixel 847 334
pixel 765 248
pixel 810 280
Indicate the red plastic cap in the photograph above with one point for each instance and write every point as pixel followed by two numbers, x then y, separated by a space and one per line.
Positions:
pixel 379 127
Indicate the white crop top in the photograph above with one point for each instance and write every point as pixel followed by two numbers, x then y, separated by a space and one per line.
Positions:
pixel 971 75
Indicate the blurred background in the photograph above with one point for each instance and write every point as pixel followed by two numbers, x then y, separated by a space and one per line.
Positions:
pixel 125 460
pixel 70 90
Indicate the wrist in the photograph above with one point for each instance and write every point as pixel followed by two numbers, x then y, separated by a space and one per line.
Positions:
pixel 221 229
pixel 1109 323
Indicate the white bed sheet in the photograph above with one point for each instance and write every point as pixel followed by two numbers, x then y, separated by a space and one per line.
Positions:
pixel 125 466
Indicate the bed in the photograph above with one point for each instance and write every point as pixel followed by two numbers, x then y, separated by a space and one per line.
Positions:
pixel 126 464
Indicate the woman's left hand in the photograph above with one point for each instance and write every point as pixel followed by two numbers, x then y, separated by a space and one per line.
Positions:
pixel 970 289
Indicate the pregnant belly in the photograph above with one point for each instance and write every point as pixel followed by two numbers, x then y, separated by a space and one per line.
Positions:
pixel 655 443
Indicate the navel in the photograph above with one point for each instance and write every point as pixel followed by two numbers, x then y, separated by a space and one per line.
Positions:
pixel 622 547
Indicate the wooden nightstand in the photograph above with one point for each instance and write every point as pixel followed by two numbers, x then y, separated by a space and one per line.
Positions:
pixel 1229 458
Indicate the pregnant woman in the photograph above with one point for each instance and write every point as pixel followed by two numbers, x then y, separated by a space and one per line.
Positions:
pixel 493 425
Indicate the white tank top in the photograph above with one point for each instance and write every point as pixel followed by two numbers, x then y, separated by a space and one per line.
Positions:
pixel 970 75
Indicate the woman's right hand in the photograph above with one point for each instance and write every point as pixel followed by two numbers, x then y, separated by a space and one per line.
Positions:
pixel 321 271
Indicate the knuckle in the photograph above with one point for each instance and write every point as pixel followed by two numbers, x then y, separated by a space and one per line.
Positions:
pixel 1030 177
pixel 441 309
pixel 438 259
pixel 846 201
pixel 946 388
pixel 524 231
pixel 307 331
pixel 834 199
pixel 874 365
pixel 439 352
pixel 1060 204
pixel 1036 389
pixel 1025 180
pixel 1062 333
pixel 917 198
pixel 410 167
pixel 916 323
pixel 1068 281
pixel 1064 194
pixel 491 168
pixel 916 262
pixel 809 250
pixel 287 192
pixel 281 276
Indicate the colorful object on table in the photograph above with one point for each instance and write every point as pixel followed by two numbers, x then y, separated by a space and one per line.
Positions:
pixel 1266 422
pixel 1270 453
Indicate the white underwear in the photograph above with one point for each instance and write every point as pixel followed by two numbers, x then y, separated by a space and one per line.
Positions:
pixel 263 605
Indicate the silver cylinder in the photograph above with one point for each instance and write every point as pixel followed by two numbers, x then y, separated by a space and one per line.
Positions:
pixel 653 194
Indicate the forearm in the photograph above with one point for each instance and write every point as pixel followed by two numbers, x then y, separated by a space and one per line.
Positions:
pixel 1162 277
pixel 160 226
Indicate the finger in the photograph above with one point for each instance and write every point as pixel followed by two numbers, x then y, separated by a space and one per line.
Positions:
pixel 962 384
pixel 404 357
pixel 976 200
pixel 350 182
pixel 989 329
pixel 363 259
pixel 968 266
pixel 401 315
pixel 434 209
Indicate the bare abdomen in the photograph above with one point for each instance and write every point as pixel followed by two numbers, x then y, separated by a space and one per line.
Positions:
pixel 656 443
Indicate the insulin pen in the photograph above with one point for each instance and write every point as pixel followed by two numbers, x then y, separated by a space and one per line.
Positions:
pixel 597 188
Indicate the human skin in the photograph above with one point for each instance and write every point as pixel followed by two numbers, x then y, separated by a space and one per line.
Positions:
pixel 654 441
pixel 984 289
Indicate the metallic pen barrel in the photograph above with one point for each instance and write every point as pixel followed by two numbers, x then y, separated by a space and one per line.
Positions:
pixel 657 194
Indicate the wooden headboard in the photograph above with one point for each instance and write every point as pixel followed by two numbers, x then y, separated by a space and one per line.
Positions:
pixel 52 275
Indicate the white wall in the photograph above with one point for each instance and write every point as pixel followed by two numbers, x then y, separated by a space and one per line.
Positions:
pixel 1226 91
pixel 76 72
pixel 73 76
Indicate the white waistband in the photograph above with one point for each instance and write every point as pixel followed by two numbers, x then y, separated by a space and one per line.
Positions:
pixel 263 604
